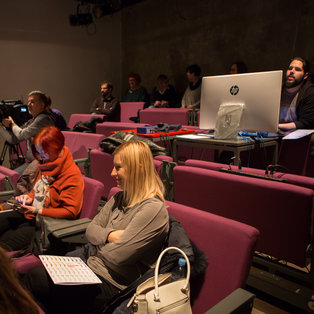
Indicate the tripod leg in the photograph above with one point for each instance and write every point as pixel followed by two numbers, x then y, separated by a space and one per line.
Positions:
pixel 3 153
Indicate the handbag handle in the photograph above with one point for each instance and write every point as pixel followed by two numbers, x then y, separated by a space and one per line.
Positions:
pixel 187 279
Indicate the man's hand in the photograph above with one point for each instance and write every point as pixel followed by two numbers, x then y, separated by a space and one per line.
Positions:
pixel 157 104
pixel 114 235
pixel 7 122
pixel 287 126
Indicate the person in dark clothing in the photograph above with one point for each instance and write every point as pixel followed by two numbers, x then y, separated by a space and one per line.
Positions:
pixel 192 95
pixel 238 67
pixel 164 95
pixel 136 92
pixel 297 97
pixel 106 104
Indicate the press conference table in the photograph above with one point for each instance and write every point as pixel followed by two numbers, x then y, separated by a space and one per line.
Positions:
pixel 235 145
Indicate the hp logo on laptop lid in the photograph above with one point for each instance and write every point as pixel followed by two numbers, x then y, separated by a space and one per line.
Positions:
pixel 234 90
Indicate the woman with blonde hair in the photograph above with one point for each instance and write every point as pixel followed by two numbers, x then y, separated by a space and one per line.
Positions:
pixel 125 238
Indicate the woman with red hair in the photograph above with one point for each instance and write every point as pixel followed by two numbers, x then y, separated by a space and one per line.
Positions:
pixel 57 191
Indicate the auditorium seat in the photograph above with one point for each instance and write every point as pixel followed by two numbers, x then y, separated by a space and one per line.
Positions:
pixel 295 155
pixel 281 211
pixel 299 180
pixel 106 128
pixel 79 145
pixel 76 117
pixel 69 231
pixel 8 179
pixel 229 247
pixel 130 109
pixel 153 116
pixel 101 166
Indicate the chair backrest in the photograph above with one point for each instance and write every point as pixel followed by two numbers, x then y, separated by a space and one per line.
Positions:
pixel 101 167
pixel 153 116
pixel 93 191
pixel 2 182
pixel 294 154
pixel 229 246
pixel 306 182
pixel 13 175
pixel 101 164
pixel 281 211
pixel 130 109
pixel 76 117
pixel 79 143
pixel 106 128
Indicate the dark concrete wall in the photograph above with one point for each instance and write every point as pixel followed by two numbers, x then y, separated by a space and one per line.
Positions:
pixel 167 35
pixel 41 51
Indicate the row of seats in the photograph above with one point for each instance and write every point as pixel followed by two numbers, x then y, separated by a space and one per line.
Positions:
pixel 127 109
pixel 230 234
pixel 79 143
pixel 222 240
pixel 295 156
pixel 280 207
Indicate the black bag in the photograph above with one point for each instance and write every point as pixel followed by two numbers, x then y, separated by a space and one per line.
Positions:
pixel 88 126
pixel 164 127
pixel 110 143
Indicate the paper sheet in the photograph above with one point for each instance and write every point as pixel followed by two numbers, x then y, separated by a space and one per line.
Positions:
pixel 297 134
pixel 196 136
pixel 66 270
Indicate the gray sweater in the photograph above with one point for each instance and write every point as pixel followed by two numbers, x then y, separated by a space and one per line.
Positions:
pixel 27 131
pixel 145 226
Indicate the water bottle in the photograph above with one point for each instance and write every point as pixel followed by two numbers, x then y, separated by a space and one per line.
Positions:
pixel 180 271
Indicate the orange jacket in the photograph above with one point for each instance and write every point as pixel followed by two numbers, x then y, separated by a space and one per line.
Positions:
pixel 66 189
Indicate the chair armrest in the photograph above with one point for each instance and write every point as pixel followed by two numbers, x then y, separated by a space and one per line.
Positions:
pixel 239 301
pixel 6 195
pixel 84 162
pixel 65 228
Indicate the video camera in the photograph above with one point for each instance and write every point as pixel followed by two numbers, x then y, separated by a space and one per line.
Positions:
pixel 14 109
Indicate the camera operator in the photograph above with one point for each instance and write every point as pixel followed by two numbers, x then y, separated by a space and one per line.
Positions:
pixel 38 106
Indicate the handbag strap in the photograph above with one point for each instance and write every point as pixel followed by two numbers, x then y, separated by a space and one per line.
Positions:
pixel 187 279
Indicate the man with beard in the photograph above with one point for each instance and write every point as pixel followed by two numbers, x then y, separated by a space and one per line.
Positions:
pixel 106 104
pixel 297 98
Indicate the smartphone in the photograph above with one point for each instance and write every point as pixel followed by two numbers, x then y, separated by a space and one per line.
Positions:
pixel 15 205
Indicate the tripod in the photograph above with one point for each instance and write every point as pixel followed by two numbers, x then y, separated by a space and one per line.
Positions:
pixel 16 156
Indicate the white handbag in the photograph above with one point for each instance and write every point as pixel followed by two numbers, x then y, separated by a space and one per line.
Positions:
pixel 160 294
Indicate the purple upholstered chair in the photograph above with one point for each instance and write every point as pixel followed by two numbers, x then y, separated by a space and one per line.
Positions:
pixel 281 211
pixel 153 116
pixel 130 109
pixel 93 190
pixel 295 155
pixel 304 181
pixel 229 247
pixel 79 145
pixel 102 164
pixel 76 117
pixel 106 128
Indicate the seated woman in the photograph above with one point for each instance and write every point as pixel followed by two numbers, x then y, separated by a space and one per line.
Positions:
pixel 125 238
pixel 57 191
